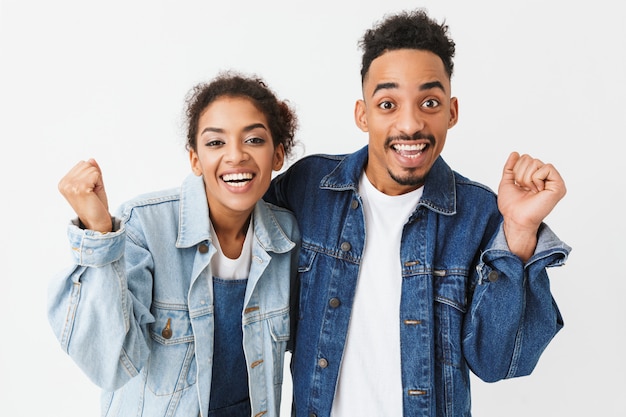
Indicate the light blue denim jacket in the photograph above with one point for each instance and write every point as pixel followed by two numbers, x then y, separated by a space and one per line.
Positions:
pixel 136 311
pixel 466 301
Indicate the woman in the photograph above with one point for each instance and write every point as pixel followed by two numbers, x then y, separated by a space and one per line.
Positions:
pixel 179 305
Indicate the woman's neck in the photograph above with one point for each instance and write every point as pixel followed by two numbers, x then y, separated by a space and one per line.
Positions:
pixel 231 232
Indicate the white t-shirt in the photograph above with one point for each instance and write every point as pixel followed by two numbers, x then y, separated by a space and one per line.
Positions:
pixel 370 379
pixel 226 268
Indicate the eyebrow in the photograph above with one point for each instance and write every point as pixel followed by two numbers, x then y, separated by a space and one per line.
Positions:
pixel 423 87
pixel 245 129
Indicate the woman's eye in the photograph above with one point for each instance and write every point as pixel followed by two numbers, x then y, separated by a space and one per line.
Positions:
pixel 214 143
pixel 431 103
pixel 386 105
pixel 255 140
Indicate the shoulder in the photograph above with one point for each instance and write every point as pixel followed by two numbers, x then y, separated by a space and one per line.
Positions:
pixel 464 182
pixel 473 193
pixel 317 162
pixel 283 217
pixel 154 200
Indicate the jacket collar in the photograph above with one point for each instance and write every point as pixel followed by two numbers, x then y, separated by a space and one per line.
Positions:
pixel 194 224
pixel 439 189
pixel 268 232
pixel 193 213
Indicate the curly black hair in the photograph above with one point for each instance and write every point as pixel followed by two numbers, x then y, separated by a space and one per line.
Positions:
pixel 407 30
pixel 282 120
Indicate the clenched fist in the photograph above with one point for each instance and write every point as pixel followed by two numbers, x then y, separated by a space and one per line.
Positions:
pixel 83 188
pixel 528 192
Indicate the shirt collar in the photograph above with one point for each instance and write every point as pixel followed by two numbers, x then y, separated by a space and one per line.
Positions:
pixel 439 189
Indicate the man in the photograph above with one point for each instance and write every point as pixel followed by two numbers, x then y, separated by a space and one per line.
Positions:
pixel 410 274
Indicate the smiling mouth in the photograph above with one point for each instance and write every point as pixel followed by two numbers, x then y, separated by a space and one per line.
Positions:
pixel 238 180
pixel 409 151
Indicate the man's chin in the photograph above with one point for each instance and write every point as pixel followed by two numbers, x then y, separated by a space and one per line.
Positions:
pixel 408 180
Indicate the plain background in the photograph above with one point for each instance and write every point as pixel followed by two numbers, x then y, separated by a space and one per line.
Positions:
pixel 83 79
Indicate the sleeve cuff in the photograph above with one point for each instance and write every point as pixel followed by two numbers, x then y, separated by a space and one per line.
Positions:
pixel 94 249
pixel 550 250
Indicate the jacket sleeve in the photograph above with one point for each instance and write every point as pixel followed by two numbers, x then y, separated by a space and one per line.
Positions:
pixel 512 316
pixel 97 319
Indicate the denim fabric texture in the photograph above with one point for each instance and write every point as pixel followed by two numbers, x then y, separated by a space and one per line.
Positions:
pixel 229 388
pixel 136 311
pixel 467 303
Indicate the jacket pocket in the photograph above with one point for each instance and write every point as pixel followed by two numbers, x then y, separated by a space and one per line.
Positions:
pixel 451 372
pixel 450 292
pixel 279 331
pixel 305 266
pixel 171 366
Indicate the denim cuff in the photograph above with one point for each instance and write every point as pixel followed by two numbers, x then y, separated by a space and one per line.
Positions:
pixel 94 249
pixel 550 250
pixel 548 244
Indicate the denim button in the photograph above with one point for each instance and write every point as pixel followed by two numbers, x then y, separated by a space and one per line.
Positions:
pixel 202 248
pixel 354 204
pixel 312 415
pixel 167 330
pixel 345 246
pixel 323 363
pixel 493 276
pixel 334 302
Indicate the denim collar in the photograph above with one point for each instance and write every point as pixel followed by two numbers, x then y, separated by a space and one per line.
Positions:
pixel 194 226
pixel 439 189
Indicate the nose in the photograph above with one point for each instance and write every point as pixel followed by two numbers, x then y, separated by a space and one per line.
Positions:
pixel 409 120
pixel 235 153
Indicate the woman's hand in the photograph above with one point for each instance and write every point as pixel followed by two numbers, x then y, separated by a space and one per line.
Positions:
pixel 83 188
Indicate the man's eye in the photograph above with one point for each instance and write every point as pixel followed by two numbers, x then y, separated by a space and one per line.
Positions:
pixel 431 103
pixel 386 105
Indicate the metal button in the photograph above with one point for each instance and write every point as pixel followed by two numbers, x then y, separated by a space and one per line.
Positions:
pixel 167 330
pixel 334 302
pixel 354 204
pixel 202 248
pixel 493 276
pixel 323 363
pixel 345 246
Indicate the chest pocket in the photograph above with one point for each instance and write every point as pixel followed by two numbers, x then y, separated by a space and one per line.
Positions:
pixel 171 366
pixel 305 264
pixel 266 335
pixel 279 329
pixel 450 292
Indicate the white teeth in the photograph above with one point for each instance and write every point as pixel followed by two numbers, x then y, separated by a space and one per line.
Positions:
pixel 409 148
pixel 242 176
pixel 411 151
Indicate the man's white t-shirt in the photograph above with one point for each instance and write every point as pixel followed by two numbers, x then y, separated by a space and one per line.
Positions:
pixel 370 380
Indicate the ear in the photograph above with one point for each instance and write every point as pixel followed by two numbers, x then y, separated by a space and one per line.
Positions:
pixel 279 157
pixel 360 116
pixel 454 112
pixel 194 161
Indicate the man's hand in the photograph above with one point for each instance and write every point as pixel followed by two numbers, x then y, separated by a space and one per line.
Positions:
pixel 528 192
pixel 83 188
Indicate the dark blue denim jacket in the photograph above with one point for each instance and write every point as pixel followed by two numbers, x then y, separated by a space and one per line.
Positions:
pixel 466 303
